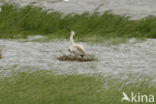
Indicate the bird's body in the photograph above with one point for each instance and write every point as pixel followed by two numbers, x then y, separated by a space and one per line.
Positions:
pixel 76 49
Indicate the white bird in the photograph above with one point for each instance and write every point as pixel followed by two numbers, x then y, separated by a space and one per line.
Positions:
pixel 125 97
pixel 74 48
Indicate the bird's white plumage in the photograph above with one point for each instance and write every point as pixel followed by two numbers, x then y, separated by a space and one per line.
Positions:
pixel 75 48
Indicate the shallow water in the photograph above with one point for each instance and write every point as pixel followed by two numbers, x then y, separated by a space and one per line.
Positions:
pixel 118 60
pixel 134 8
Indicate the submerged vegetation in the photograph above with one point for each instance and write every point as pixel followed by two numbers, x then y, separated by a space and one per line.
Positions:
pixel 20 22
pixel 43 87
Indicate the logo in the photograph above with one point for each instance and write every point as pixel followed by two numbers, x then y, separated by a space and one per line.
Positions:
pixel 137 98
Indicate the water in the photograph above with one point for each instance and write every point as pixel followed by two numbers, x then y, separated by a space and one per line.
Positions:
pixel 134 8
pixel 118 60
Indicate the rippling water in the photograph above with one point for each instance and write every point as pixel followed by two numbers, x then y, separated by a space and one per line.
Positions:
pixel 134 8
pixel 118 60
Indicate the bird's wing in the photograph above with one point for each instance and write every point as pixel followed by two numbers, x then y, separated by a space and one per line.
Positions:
pixel 81 49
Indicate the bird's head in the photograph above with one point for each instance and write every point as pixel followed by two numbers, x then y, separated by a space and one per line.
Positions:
pixel 72 32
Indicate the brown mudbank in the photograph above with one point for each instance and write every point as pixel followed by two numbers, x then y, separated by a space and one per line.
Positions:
pixel 77 58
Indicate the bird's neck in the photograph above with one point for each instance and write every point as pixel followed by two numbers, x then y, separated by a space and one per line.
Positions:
pixel 71 39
